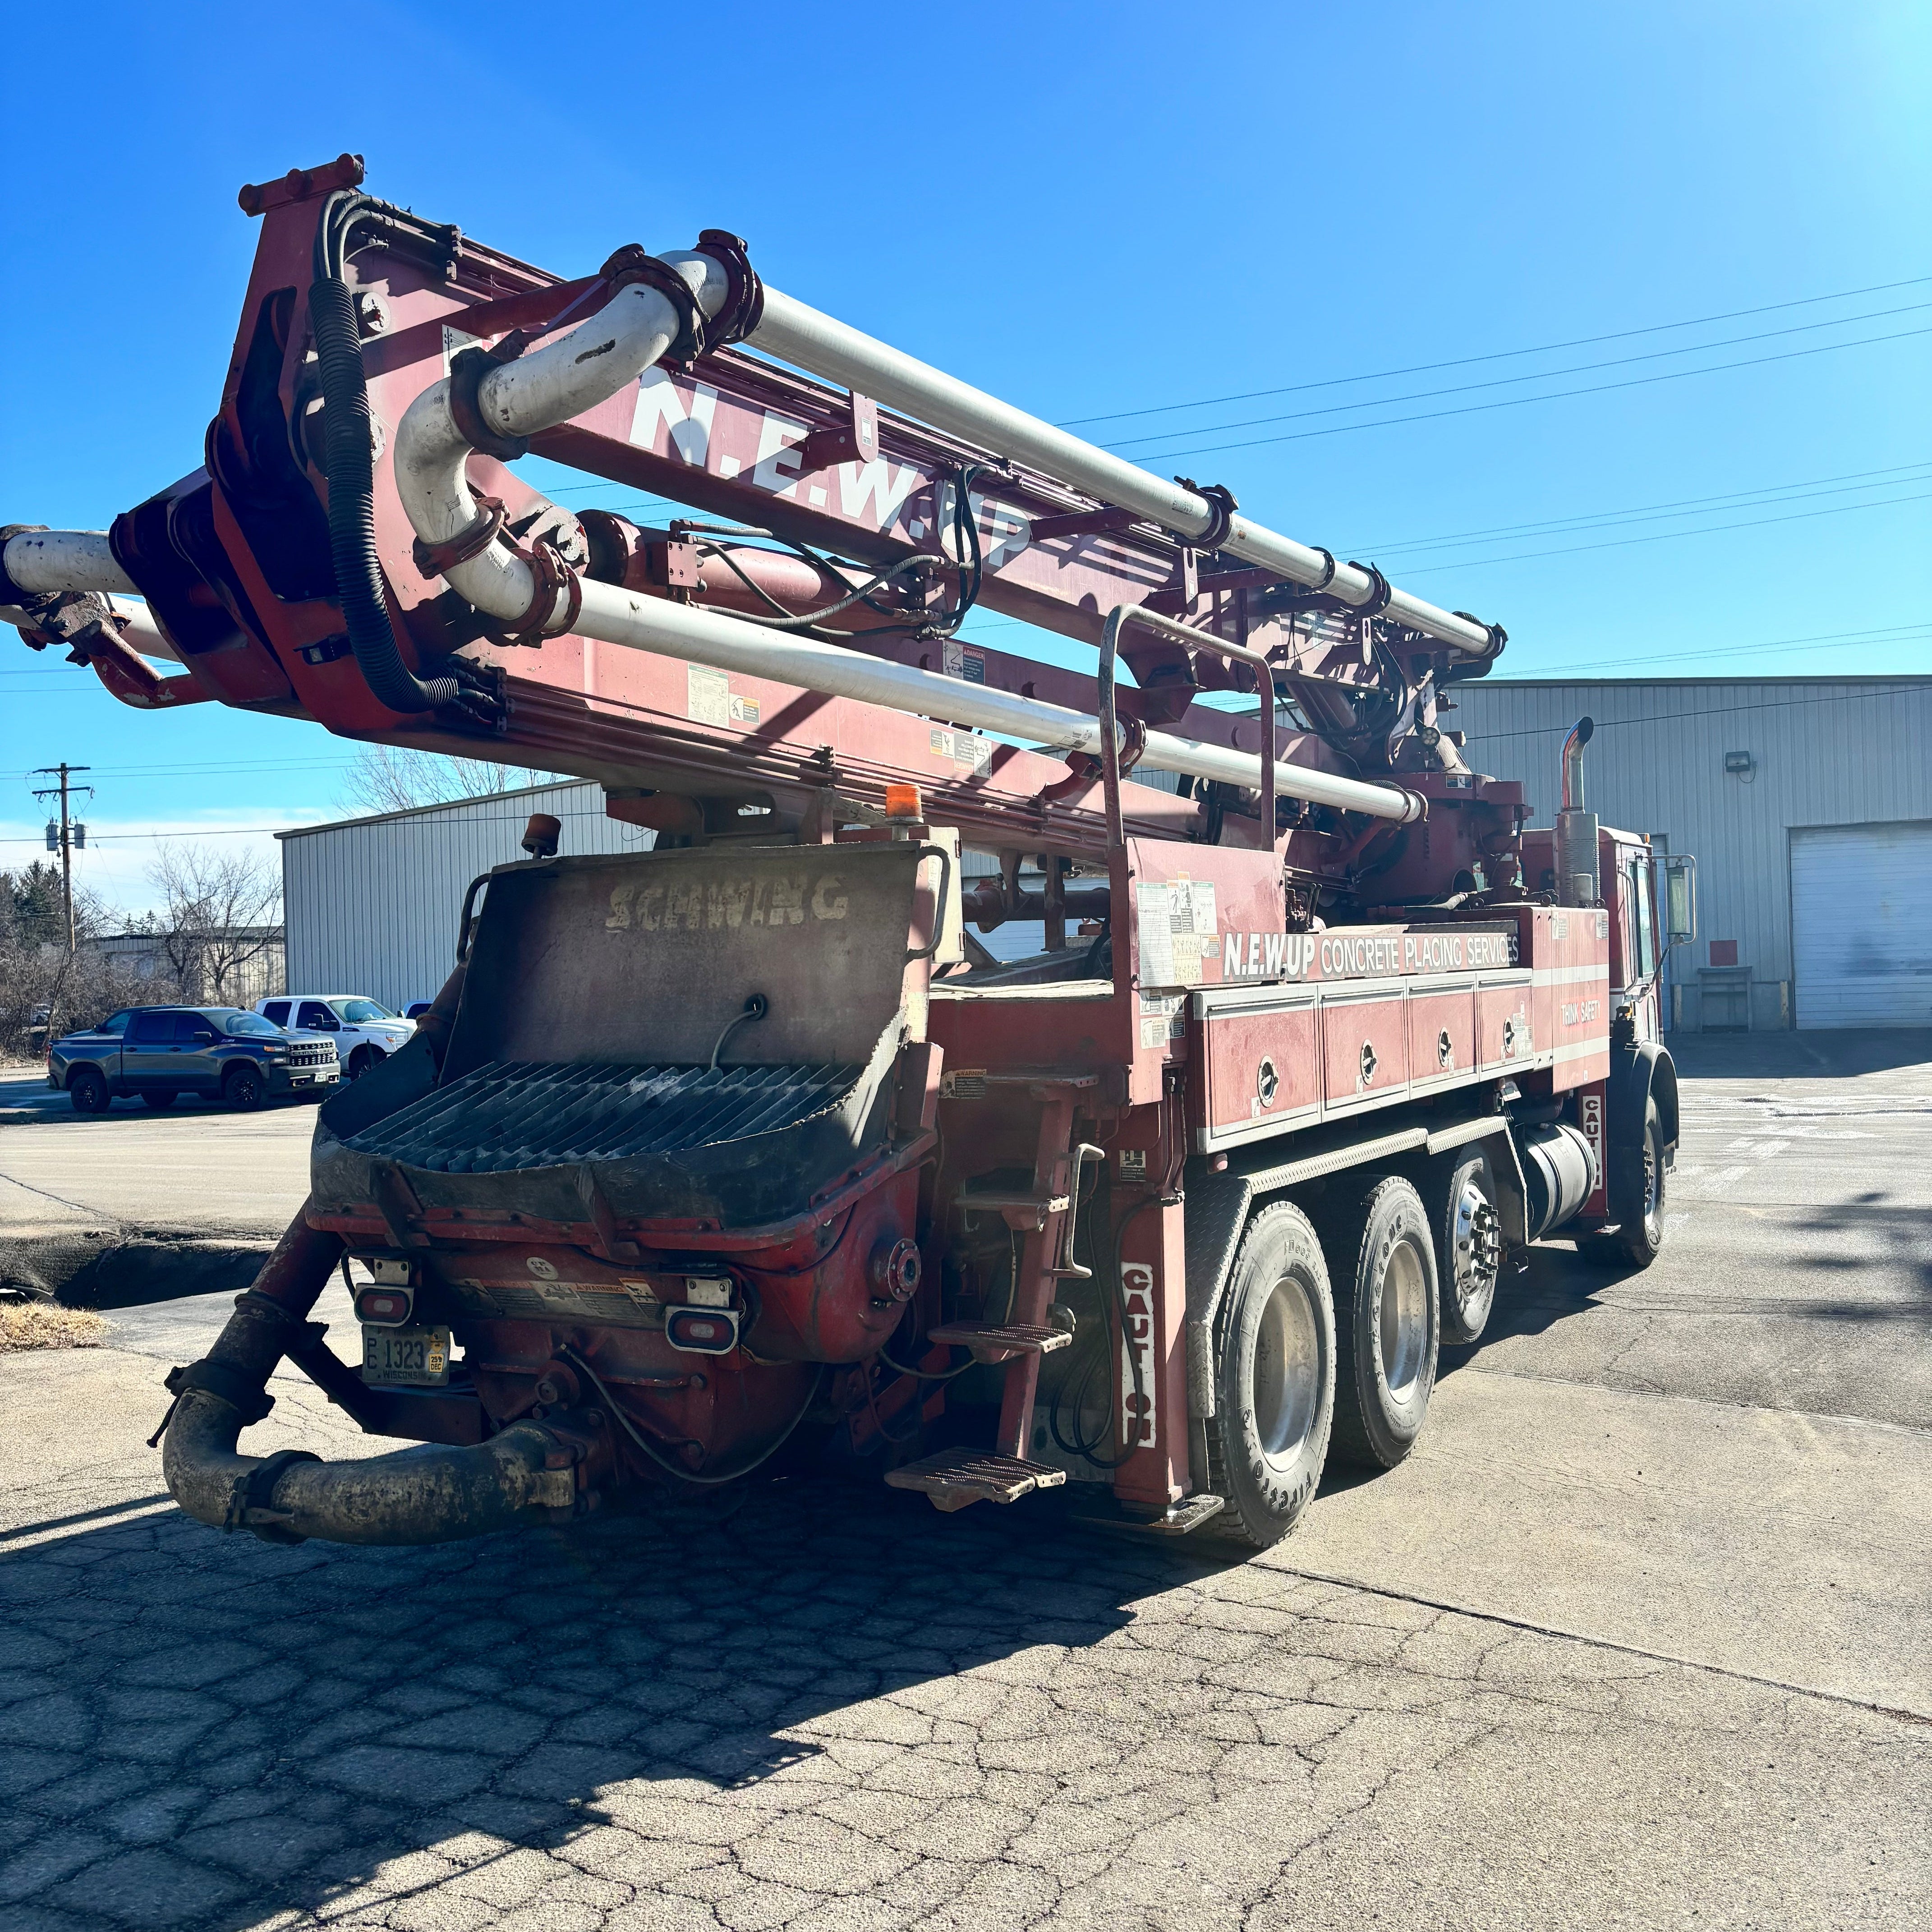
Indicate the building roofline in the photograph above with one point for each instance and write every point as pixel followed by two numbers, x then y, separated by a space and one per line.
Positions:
pixel 1727 683
pixel 446 805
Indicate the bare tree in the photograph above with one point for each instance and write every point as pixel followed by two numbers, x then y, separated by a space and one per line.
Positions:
pixel 390 778
pixel 44 988
pixel 222 911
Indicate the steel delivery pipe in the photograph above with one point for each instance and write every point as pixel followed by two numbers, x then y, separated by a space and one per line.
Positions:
pixel 641 622
pixel 43 561
pixel 430 456
pixel 815 342
pixel 521 1475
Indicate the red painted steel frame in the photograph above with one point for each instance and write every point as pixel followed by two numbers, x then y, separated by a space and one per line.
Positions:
pixel 1218 1025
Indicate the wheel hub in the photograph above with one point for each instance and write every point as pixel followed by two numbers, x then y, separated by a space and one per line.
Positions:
pixel 1405 1319
pixel 1288 1370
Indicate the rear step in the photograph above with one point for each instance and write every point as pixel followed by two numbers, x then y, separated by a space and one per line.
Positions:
pixel 955 1477
pixel 990 1343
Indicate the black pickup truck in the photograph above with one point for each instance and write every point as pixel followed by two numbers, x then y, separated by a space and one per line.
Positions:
pixel 161 1052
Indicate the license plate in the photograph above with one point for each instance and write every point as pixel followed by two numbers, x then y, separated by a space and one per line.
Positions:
pixel 418 1356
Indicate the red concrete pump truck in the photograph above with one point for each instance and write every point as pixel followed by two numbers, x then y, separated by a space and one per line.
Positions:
pixel 745 1147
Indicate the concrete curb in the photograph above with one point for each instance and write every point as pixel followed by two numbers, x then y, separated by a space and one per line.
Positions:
pixel 126 1268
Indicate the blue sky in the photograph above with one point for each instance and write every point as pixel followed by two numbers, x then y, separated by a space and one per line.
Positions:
pixel 1090 211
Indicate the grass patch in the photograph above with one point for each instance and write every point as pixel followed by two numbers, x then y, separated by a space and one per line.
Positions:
pixel 46 1324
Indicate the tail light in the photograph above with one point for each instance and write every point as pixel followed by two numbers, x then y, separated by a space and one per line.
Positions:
pixel 384 1307
pixel 702 1331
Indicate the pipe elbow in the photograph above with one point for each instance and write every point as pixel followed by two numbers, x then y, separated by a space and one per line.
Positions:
pixel 419 1495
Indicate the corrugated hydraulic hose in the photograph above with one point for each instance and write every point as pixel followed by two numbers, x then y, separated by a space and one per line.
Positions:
pixel 350 465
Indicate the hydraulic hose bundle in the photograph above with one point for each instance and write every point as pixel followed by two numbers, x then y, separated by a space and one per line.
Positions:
pixel 350 467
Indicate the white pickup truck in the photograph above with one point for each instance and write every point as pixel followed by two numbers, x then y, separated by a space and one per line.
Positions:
pixel 364 1032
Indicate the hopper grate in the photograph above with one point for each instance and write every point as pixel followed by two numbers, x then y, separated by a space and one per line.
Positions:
pixel 506 1116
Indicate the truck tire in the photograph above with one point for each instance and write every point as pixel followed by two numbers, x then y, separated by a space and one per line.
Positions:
pixel 88 1090
pixel 1637 1243
pixel 159 1097
pixel 243 1089
pixel 364 1060
pixel 1461 1195
pixel 1374 1232
pixel 1274 1349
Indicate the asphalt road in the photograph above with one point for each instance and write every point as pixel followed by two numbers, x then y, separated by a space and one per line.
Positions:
pixel 196 1168
pixel 1636 1637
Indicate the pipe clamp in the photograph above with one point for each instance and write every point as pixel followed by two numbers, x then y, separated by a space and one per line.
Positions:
pixel 251 1501
pixel 467 369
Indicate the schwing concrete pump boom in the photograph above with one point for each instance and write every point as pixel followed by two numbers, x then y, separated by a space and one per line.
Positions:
pixel 743 1147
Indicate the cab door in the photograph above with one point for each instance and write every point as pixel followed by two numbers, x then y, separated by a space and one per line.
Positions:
pixel 196 1039
pixel 147 1057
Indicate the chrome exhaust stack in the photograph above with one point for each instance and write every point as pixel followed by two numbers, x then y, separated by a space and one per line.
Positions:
pixel 1578 883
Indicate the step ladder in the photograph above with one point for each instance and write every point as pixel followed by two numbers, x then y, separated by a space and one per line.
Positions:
pixel 955 1477
pixel 1042 1215
pixel 992 1342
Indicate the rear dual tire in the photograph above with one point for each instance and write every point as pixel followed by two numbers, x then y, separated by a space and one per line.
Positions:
pixel 1460 1194
pixel 1275 1378
pixel 1374 1233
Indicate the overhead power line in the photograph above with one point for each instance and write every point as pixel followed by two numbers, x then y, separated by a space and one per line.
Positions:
pixel 1498 354
pixel 1829 641
pixel 1413 570
pixel 1520 402
pixel 1479 738
pixel 1535 375
pixel 1645 512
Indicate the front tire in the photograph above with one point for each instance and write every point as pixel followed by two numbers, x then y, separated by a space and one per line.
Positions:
pixel 1375 1234
pixel 1275 1378
pixel 243 1089
pixel 89 1092
pixel 364 1060
pixel 159 1097
pixel 1636 1243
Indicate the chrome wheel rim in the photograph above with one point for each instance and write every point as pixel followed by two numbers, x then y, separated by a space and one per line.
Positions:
pixel 1653 1189
pixel 1475 1256
pixel 1287 1371
pixel 1405 1319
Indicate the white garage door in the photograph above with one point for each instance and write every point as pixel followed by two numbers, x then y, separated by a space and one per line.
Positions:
pixel 1861 925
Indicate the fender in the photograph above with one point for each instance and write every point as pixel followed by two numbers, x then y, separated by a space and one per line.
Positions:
pixel 1639 1074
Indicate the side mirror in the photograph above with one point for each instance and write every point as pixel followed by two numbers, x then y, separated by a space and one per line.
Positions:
pixel 204 1038
pixel 1680 899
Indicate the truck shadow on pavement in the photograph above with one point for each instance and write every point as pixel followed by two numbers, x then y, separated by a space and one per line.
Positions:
pixel 202 1730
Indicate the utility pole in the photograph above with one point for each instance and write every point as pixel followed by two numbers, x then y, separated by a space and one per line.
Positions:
pixel 67 835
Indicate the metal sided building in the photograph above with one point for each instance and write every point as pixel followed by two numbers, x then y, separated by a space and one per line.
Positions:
pixel 1807 801
pixel 371 905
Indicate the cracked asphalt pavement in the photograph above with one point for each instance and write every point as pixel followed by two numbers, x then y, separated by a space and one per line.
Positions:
pixel 1636 1637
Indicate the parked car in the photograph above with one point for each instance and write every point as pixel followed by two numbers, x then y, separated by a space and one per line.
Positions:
pixel 160 1053
pixel 365 1032
pixel 416 1009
